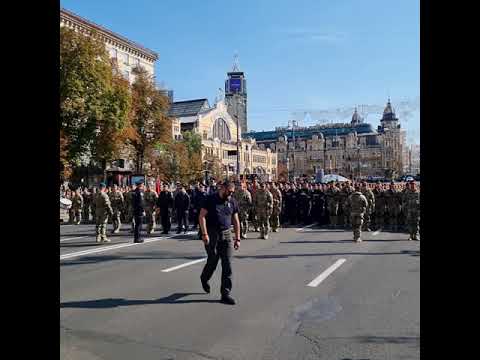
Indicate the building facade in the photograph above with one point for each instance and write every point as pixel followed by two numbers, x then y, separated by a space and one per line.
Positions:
pixel 236 97
pixel 127 55
pixel 218 131
pixel 354 149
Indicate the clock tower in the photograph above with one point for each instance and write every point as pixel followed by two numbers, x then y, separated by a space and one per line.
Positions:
pixel 236 95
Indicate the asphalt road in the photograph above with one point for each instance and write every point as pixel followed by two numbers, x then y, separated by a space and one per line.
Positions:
pixel 117 303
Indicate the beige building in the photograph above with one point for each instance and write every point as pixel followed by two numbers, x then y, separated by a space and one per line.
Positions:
pixel 354 149
pixel 218 131
pixel 127 53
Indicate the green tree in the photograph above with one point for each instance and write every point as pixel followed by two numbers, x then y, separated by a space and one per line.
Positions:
pixel 94 100
pixel 150 124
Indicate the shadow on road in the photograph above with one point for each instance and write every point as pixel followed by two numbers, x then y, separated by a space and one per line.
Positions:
pixel 117 302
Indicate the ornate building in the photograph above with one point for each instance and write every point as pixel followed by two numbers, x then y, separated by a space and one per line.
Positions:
pixel 353 149
pixel 218 131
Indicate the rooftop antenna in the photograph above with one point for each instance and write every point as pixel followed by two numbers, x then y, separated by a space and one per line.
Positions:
pixel 236 63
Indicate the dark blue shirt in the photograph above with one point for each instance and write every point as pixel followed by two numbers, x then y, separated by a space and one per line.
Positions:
pixel 220 212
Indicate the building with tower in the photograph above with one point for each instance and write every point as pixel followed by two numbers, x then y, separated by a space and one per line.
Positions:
pixel 236 95
pixel 354 149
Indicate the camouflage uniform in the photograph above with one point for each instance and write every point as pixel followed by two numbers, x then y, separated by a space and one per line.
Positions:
pixel 76 209
pixel 412 206
pixel 253 211
pixel 277 208
pixel 103 210
pixel 344 193
pixel 150 202
pixel 244 201
pixel 371 205
pixel 392 198
pixel 358 205
pixel 332 204
pixel 116 200
pixel 93 203
pixel 380 208
pixel 263 204
pixel 87 200
pixel 129 208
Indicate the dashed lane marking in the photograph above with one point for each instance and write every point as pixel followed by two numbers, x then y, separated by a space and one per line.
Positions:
pixel 73 238
pixel 315 282
pixel 306 227
pixel 375 233
pixel 184 265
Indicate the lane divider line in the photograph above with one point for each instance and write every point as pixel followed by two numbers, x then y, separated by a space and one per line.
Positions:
pixel 375 233
pixel 183 265
pixel 315 282
pixel 73 238
pixel 119 246
pixel 306 227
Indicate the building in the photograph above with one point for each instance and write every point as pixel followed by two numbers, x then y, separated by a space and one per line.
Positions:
pixel 412 159
pixel 354 149
pixel 218 131
pixel 127 55
pixel 236 96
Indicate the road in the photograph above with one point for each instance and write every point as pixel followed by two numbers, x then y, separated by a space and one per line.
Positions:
pixel 117 303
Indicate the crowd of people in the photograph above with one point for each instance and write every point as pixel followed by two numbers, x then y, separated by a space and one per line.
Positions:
pixel 263 206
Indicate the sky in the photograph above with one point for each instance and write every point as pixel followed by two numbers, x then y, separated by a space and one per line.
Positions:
pixel 309 60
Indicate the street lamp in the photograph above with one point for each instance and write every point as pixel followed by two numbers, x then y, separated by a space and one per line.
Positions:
pixel 293 124
pixel 236 100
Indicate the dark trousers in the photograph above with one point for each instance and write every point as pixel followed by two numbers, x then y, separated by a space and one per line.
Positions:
pixel 138 227
pixel 166 223
pixel 182 219
pixel 219 248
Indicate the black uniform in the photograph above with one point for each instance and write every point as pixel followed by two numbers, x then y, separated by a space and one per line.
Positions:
pixel 304 206
pixel 182 204
pixel 291 206
pixel 219 221
pixel 198 199
pixel 165 204
pixel 138 204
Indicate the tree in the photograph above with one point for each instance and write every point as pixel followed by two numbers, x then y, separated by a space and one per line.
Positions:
pixel 94 100
pixel 282 171
pixel 150 125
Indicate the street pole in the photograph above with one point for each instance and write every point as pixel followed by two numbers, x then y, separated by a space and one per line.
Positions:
pixel 235 101
pixel 293 138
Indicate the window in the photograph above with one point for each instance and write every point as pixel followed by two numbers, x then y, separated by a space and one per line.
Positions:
pixel 127 59
pixel 221 130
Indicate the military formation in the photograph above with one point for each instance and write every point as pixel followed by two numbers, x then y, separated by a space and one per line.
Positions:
pixel 264 207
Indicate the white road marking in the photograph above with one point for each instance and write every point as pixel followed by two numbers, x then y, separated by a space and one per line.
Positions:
pixel 73 238
pixel 375 233
pixel 315 282
pixel 184 265
pixel 306 227
pixel 119 246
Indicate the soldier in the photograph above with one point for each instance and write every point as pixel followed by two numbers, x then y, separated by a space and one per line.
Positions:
pixel 87 199
pixel 392 198
pixel 371 205
pixel 117 201
pixel 93 203
pixel 244 202
pixel 343 212
pixel 277 207
pixel 164 206
pixel 182 204
pixel 253 210
pixel 380 206
pixel 76 209
pixel 412 206
pixel 357 204
pixel 103 211
pixel 263 203
pixel 304 204
pixel 291 205
pixel 138 210
pixel 150 202
pixel 332 203
pixel 128 199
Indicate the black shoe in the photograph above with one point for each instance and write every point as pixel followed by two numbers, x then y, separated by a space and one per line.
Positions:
pixel 138 241
pixel 227 299
pixel 205 286
pixel 179 232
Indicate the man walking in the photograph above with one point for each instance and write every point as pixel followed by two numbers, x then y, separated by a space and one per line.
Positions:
pixel 164 206
pixel 138 205
pixel 357 204
pixel 103 210
pixel 182 204
pixel 217 213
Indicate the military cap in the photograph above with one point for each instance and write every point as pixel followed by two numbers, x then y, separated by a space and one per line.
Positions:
pixel 103 185
pixel 139 182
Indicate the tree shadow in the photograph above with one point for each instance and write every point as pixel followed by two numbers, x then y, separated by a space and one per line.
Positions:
pixel 118 302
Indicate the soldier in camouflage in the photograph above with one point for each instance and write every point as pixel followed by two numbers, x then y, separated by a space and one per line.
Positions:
pixel 103 211
pixel 116 200
pixel 93 194
pixel 380 206
pixel 87 199
pixel 392 197
pixel 128 197
pixel 412 206
pixel 332 203
pixel 150 203
pixel 277 207
pixel 77 205
pixel 358 204
pixel 244 201
pixel 371 205
pixel 263 203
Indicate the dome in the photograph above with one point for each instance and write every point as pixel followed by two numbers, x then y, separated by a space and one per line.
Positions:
pixel 389 112
pixel 356 118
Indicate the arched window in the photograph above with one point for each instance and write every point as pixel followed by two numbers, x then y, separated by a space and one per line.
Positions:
pixel 221 130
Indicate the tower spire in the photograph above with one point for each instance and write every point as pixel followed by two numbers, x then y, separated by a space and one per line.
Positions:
pixel 236 64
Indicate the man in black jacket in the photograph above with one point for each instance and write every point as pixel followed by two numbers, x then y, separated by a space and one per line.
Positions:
pixel 164 205
pixel 138 205
pixel 182 204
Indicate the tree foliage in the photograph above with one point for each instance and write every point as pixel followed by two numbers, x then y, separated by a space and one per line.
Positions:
pixel 150 124
pixel 94 100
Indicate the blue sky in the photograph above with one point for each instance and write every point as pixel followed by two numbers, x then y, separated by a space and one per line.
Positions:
pixel 299 56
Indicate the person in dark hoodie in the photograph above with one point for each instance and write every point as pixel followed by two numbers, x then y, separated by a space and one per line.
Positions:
pixel 182 204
